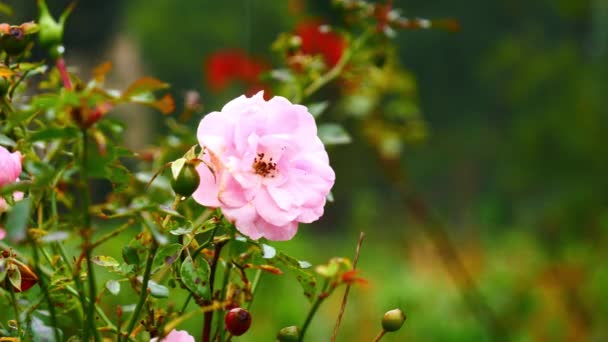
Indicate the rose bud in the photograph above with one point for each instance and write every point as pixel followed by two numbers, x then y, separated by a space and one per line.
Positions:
pixel 187 181
pixel 393 320
pixel 289 334
pixel 237 321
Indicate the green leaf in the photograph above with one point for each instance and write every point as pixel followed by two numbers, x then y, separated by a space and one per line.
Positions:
pixel 3 269
pixel 316 109
pixel 333 134
pixel 119 176
pixel 157 290
pixel 144 85
pixel 169 211
pixel 113 286
pixel 176 167
pixel 55 236
pixel 16 222
pixel 105 261
pixel 181 231
pixel 6 141
pixel 307 279
pixel 166 256
pixel 54 133
pixel 42 332
pixel 196 277
pixel 268 252
pixel 129 255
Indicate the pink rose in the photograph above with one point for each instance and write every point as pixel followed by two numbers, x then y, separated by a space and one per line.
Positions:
pixel 176 336
pixel 10 168
pixel 270 170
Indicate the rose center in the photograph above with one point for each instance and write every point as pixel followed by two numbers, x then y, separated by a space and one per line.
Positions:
pixel 264 166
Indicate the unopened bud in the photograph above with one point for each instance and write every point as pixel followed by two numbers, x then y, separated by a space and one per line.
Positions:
pixel 289 334
pixel 393 320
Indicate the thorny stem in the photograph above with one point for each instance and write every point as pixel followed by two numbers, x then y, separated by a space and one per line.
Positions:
pixel 75 278
pixel 146 278
pixel 313 310
pixel 208 318
pixel 87 232
pixel 346 292
pixel 220 327
pixel 102 315
pixel 45 290
pixel 144 289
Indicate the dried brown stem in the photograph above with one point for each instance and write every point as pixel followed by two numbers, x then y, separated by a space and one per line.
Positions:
pixel 346 292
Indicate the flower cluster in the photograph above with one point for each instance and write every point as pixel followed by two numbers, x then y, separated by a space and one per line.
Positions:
pixel 264 166
pixel 227 66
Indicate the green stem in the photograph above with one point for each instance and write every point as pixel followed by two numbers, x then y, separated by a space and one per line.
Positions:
pixel 144 289
pixel 15 306
pixel 254 286
pixel 75 277
pixel 313 310
pixel 220 327
pixel 111 234
pixel 45 290
pixel 98 309
pixel 87 233
pixel 379 336
pixel 208 317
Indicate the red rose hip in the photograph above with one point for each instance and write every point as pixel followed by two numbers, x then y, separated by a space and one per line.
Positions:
pixel 238 321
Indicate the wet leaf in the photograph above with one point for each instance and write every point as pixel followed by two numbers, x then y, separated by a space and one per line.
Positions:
pixel 196 276
pixel 166 256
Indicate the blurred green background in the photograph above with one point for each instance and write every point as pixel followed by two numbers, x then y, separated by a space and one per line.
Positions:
pixel 515 164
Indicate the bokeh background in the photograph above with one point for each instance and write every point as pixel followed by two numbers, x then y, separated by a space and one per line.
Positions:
pixel 515 163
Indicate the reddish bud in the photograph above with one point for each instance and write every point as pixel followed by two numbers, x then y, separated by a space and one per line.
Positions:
pixel 237 321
